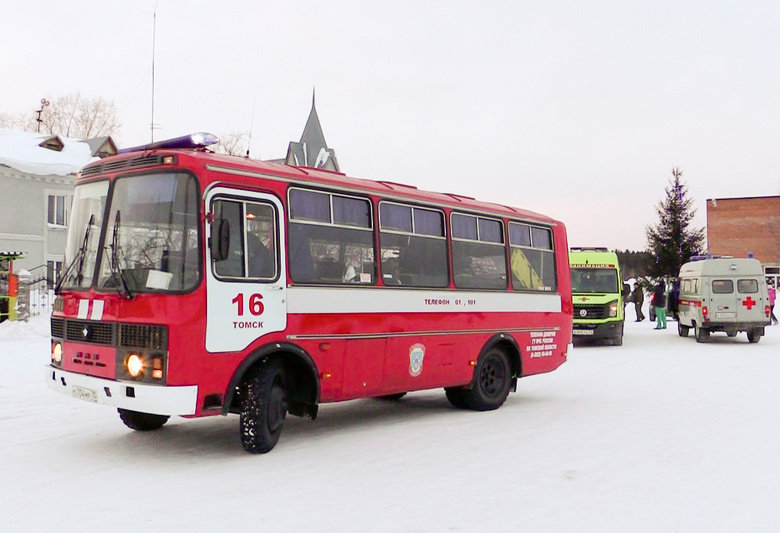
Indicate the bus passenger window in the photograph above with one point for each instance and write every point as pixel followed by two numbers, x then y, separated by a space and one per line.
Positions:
pixel 532 259
pixel 331 239
pixel 413 246
pixel 478 253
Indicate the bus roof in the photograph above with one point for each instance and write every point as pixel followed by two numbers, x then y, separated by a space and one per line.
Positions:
pixel 251 168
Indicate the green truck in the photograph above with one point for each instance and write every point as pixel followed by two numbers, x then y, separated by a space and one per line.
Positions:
pixel 598 294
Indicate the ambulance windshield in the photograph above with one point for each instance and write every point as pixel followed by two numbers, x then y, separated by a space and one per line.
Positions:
pixel 594 280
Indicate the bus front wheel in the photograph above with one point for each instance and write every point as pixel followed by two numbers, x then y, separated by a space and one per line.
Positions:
pixel 142 421
pixel 263 407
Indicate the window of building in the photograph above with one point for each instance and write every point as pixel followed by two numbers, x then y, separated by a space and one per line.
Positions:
pixel 413 246
pixel 53 271
pixel 478 253
pixel 532 257
pixel 56 212
pixel 330 238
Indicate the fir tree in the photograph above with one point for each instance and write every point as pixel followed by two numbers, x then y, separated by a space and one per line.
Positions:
pixel 672 242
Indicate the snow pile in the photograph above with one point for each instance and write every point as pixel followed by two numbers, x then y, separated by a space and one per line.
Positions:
pixel 36 327
pixel 21 150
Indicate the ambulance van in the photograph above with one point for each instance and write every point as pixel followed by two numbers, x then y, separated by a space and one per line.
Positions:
pixel 598 294
pixel 723 294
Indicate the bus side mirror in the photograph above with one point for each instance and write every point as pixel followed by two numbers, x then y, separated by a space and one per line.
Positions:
pixel 220 240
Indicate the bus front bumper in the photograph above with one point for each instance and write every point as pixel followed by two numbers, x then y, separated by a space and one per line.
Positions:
pixel 140 397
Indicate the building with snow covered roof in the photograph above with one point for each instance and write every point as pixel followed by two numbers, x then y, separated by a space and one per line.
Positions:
pixel 37 175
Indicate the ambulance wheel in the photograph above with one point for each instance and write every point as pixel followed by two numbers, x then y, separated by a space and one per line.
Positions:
pixel 754 335
pixel 682 331
pixel 492 381
pixel 702 335
pixel 142 421
pixel 263 407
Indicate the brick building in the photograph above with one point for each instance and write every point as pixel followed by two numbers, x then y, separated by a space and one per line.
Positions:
pixel 741 226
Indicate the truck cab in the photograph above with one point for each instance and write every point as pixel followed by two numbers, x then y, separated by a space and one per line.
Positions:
pixel 598 295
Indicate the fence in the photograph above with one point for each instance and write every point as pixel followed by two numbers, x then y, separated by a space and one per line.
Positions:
pixel 36 293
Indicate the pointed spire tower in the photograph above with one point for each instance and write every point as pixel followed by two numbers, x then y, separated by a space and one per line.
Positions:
pixel 312 151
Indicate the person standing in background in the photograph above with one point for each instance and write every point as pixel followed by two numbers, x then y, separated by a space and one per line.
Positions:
pixel 659 302
pixel 638 297
pixel 772 295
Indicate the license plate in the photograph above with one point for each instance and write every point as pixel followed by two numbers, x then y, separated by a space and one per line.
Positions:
pixel 725 315
pixel 583 332
pixel 84 394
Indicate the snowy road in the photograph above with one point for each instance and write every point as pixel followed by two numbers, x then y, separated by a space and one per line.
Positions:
pixel 661 434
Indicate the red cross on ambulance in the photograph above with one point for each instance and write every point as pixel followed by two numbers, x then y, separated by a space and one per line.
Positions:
pixel 749 303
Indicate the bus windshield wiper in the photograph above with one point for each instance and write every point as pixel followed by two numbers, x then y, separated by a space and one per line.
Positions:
pixel 78 258
pixel 116 268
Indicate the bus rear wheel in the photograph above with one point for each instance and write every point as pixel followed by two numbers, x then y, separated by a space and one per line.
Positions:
pixel 456 397
pixel 142 421
pixel 492 381
pixel 263 407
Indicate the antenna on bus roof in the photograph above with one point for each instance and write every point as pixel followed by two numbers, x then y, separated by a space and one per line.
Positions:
pixel 251 126
pixel 154 37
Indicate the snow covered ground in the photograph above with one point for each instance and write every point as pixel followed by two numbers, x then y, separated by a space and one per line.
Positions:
pixel 659 435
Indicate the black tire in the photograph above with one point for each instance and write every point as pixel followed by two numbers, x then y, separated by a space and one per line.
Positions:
pixel 392 397
pixel 492 381
pixel 142 421
pixel 456 397
pixel 754 335
pixel 682 331
pixel 618 340
pixel 263 406
pixel 702 335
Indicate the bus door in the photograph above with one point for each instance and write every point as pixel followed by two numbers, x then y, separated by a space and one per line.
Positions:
pixel 246 282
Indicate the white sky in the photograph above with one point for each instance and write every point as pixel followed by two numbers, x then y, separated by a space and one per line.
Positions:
pixel 578 110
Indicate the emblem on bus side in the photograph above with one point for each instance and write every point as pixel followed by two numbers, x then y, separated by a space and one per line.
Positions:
pixel 416 356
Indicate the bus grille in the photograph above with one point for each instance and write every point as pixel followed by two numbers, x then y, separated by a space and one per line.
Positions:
pixel 89 331
pixel 110 333
pixel 591 311
pixel 143 336
pixel 123 164
pixel 57 327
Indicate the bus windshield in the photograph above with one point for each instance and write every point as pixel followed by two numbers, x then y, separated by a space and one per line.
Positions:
pixel 594 280
pixel 151 242
pixel 81 250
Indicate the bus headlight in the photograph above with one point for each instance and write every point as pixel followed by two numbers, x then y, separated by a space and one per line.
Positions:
pixel 56 353
pixel 135 365
pixel 613 308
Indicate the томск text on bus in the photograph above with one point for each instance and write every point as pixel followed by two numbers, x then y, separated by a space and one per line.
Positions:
pixel 198 284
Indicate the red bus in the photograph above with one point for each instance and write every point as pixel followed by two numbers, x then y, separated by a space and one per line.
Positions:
pixel 198 284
